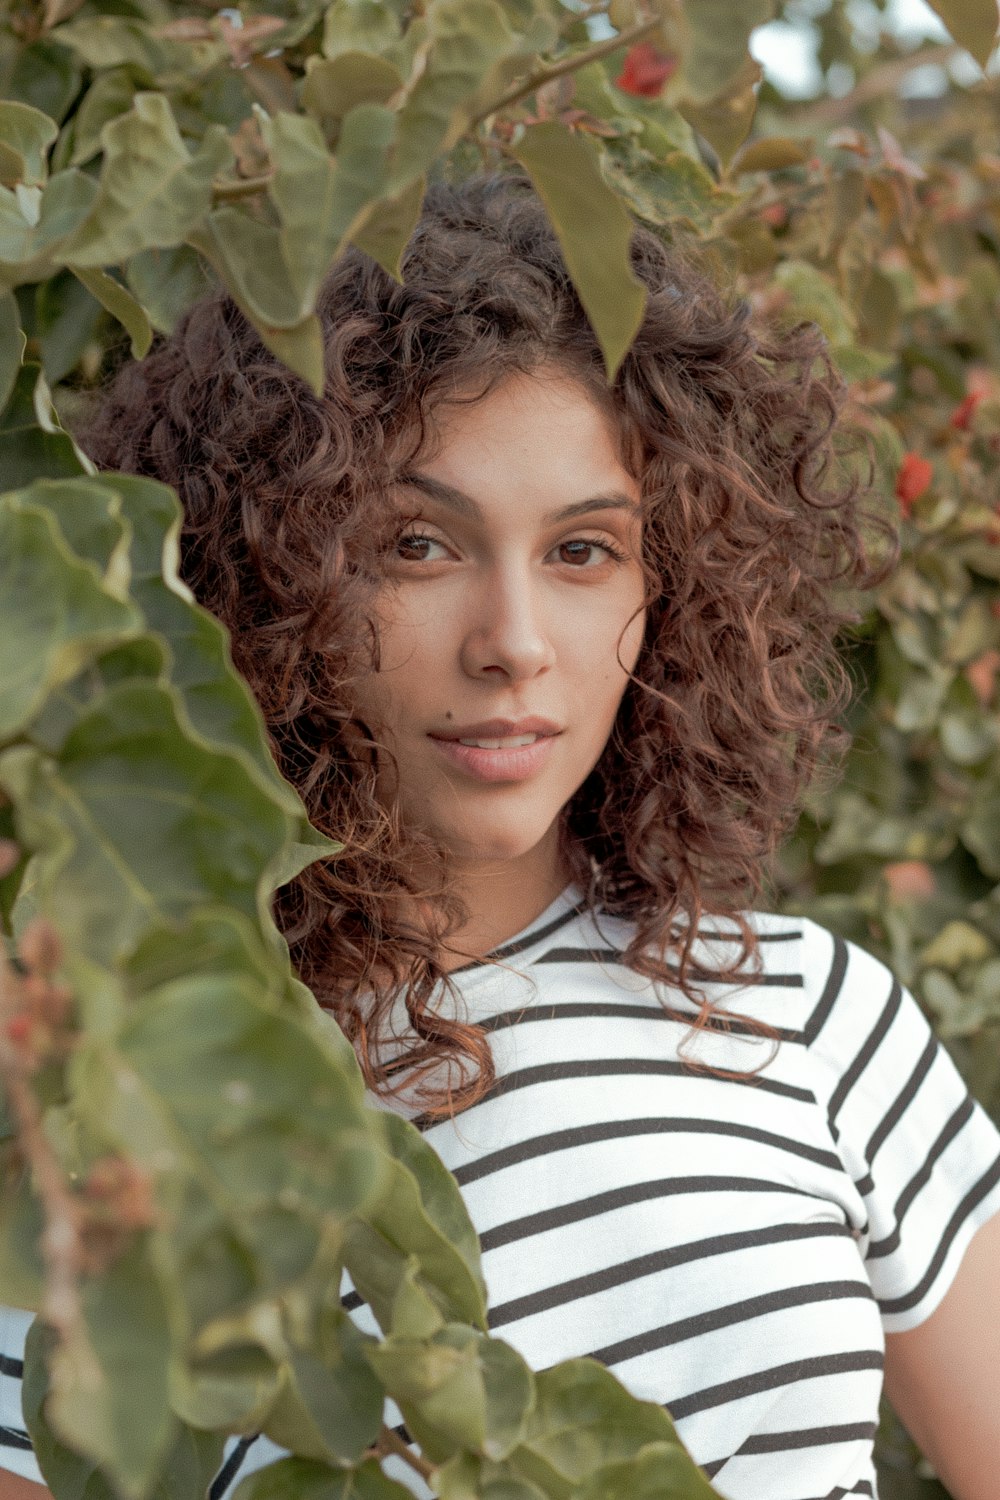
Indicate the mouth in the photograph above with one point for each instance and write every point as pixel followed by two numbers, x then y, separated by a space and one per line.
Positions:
pixel 493 759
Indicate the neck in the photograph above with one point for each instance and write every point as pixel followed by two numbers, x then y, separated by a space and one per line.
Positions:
pixel 503 898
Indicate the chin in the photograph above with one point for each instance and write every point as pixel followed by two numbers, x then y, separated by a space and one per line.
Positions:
pixel 499 846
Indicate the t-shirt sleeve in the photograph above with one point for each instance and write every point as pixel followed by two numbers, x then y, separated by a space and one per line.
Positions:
pixel 16 1452
pixel 924 1156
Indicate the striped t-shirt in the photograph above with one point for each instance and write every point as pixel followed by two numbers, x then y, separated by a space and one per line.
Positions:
pixel 734 1250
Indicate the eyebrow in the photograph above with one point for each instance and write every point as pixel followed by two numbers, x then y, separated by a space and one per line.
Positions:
pixel 464 505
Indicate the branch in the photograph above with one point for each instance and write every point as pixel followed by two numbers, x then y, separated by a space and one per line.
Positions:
pixel 62 1240
pixel 566 65
pixel 390 1442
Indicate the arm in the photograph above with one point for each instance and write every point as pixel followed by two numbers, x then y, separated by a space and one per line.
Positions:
pixel 943 1377
pixel 13 1487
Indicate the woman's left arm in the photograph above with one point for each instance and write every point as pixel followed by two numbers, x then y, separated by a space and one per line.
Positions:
pixel 943 1377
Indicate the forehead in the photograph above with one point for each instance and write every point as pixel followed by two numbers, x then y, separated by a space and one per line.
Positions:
pixel 543 433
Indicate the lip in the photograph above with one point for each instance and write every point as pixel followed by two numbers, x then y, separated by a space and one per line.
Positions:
pixel 499 729
pixel 517 764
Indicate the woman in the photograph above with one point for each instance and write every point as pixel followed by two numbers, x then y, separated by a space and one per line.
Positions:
pixel 555 663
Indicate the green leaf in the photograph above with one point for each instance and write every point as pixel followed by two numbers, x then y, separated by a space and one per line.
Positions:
pixel 25 137
pixel 305 1479
pixel 231 1389
pixel 111 94
pixel 67 319
pixel 468 37
pixel 661 1471
pixel 141 817
pixel 332 1405
pixel 321 200
pixel 584 1418
pixel 22 1270
pixel 386 230
pixel 718 38
pixel 334 85
pixel 110 41
pixel 12 344
pixel 56 614
pixel 152 191
pixel 457 1389
pixel 108 1396
pixel 594 232
pixel 956 944
pixel 166 282
pixel 293 1136
pixel 248 256
pixel 813 297
pixel 28 245
pixel 46 76
pixel 727 120
pixel 89 519
pixel 359 26
pixel 973 24
pixel 980 830
pixel 420 1214
pixel 121 305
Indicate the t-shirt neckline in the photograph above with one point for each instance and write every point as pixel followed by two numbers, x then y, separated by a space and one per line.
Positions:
pixel 569 902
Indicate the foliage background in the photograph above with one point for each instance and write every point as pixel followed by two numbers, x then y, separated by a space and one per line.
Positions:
pixel 146 147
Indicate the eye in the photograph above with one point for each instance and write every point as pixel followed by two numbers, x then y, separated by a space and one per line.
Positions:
pixel 414 546
pixel 579 547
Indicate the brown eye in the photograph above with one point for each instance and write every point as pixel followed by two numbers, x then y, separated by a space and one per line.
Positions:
pixel 414 546
pixel 580 547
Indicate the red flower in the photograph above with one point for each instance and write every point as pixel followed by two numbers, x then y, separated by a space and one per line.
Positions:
pixel 646 70
pixel 962 415
pixel 914 477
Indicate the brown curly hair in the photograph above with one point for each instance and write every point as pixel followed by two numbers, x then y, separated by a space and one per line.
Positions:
pixel 751 526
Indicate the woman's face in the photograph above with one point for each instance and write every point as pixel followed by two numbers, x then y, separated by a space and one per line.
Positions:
pixel 513 593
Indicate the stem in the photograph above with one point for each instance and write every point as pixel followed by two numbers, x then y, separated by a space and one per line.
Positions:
pixel 390 1442
pixel 226 189
pixel 565 65
pixel 61 1241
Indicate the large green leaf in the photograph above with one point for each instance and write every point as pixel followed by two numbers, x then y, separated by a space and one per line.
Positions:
pixel 166 282
pixel 320 199
pixel 468 37
pixel 594 232
pixel 421 1215
pixel 57 613
pixel 108 1396
pixel 110 95
pixel 458 1390
pixel 67 320
pixel 152 190
pixel 661 1471
pixel 295 1136
pixel 25 137
pixel 34 226
pixel 305 1479
pixel 11 345
pixel 121 305
pixel 718 35
pixel 332 1405
pixel 140 806
pixel 334 85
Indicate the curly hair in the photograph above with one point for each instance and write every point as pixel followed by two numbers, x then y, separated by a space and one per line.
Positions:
pixel 752 535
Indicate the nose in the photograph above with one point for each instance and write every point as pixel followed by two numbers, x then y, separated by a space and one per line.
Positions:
pixel 508 630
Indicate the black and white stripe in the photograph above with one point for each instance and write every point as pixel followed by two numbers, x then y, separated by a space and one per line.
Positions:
pixel 734 1248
